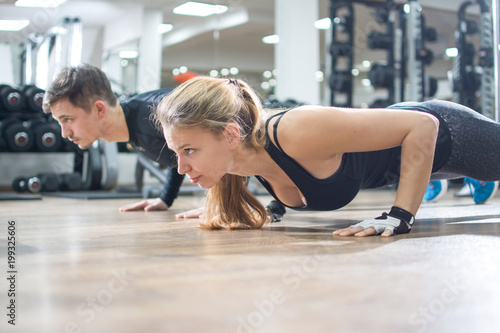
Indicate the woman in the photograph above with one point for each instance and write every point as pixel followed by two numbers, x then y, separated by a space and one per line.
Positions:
pixel 318 158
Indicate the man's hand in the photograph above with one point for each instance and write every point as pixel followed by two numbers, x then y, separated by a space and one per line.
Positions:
pixel 147 205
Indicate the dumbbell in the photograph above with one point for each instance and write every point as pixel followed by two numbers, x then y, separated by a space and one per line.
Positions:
pixel 431 86
pixel 47 182
pixel 21 184
pixel 379 41
pixel 3 143
pixel 11 99
pixel 18 137
pixel 381 76
pixel 71 182
pixel 50 182
pixel 33 97
pixel 47 135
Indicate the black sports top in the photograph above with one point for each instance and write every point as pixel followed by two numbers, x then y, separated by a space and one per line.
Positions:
pixel 147 139
pixel 360 170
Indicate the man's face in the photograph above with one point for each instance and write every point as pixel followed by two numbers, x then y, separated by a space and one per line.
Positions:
pixel 77 125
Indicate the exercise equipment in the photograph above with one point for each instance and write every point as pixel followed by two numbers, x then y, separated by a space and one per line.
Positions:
pixel 48 182
pixel 21 184
pixel 470 87
pixel 341 51
pixel 145 164
pixel 381 76
pixel 70 182
pixel 46 135
pixel 385 75
pixel 11 99
pixel 17 136
pixel 495 15
pixel 419 56
pixel 403 39
pixel 98 165
pixel 486 60
pixel 33 98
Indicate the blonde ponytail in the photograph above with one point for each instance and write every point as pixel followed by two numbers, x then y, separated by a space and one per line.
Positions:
pixel 230 205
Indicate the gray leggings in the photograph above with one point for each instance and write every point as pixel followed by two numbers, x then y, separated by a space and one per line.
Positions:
pixel 475 141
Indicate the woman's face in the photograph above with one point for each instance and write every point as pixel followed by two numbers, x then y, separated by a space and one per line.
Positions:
pixel 202 155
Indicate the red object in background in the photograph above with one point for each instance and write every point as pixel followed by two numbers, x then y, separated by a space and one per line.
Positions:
pixel 181 78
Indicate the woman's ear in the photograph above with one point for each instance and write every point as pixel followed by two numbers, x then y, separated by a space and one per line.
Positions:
pixel 232 134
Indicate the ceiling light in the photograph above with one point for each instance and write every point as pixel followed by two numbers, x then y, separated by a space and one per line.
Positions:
pixel 162 28
pixel 234 71
pixel 323 24
pixel 13 25
pixel 39 3
pixel 451 52
pixel 129 54
pixel 320 76
pixel 199 9
pixel 273 39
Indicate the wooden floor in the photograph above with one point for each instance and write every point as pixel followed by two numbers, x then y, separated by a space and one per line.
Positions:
pixel 83 266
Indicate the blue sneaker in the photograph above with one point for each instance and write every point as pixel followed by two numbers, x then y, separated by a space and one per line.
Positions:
pixel 435 190
pixel 482 190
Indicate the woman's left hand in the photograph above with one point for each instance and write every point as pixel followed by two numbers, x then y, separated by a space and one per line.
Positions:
pixel 397 221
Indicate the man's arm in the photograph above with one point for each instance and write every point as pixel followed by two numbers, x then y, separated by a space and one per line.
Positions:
pixel 171 186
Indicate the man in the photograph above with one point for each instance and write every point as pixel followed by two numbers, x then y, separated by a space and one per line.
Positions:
pixel 81 100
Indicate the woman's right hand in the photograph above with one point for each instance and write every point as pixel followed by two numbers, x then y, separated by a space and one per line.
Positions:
pixel 193 213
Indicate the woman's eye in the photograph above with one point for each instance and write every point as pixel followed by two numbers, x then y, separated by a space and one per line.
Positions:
pixel 189 151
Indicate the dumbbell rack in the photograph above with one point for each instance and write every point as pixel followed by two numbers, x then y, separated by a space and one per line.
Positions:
pixel 32 145
pixel 403 40
pixel 342 50
pixel 464 79
pixel 98 165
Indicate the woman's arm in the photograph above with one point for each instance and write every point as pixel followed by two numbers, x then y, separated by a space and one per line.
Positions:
pixel 319 132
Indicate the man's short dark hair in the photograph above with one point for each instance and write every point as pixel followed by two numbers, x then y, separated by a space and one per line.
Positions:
pixel 82 86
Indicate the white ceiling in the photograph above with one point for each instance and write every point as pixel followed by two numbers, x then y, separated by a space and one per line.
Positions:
pixel 238 46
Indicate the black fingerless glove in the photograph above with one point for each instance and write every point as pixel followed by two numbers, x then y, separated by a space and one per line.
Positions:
pixel 404 216
pixel 275 211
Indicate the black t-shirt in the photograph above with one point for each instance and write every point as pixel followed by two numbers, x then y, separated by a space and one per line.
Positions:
pixel 146 138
